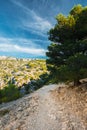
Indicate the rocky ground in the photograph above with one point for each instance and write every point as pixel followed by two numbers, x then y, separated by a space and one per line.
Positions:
pixel 53 107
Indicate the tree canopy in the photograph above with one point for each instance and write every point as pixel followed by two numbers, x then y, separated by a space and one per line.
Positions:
pixel 67 55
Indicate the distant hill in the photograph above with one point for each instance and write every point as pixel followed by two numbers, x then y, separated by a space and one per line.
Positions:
pixel 20 71
pixel 7 57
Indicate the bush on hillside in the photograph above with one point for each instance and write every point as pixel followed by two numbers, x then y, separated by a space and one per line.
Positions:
pixel 9 93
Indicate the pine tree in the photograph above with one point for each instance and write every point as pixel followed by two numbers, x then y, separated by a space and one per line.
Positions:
pixel 67 55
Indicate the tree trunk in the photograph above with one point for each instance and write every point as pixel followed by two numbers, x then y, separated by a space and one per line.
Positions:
pixel 76 82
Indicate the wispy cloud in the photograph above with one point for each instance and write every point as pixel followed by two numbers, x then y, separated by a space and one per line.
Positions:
pixel 21 41
pixel 37 24
pixel 17 48
pixel 10 45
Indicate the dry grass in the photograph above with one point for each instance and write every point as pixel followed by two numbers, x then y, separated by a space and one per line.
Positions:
pixel 73 100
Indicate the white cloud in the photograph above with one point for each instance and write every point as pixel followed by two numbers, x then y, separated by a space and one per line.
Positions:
pixel 10 45
pixel 33 31
pixel 21 5
pixel 37 24
pixel 5 40
pixel 17 48
pixel 22 41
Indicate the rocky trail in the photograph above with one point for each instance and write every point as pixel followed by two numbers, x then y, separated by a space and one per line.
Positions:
pixel 53 107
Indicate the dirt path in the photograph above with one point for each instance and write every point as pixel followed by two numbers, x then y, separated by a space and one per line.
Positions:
pixel 46 109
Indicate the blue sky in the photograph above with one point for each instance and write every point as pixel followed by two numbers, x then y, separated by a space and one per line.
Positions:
pixel 24 25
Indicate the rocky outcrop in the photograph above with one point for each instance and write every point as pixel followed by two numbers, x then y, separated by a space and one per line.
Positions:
pixel 53 107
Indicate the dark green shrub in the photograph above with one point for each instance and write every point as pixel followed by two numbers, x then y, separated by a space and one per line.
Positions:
pixel 9 93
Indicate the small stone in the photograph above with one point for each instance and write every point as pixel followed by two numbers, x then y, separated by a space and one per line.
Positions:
pixel 18 115
pixel 20 109
pixel 26 113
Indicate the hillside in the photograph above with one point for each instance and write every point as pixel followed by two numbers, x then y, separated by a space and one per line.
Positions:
pixel 20 71
pixel 53 107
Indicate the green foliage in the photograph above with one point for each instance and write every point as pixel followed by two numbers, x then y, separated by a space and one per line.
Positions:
pixel 9 93
pixel 36 84
pixel 76 10
pixel 67 56
pixel 77 66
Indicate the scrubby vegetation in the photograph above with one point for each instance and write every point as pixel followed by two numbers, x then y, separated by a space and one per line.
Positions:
pixel 20 76
pixel 9 93
pixel 20 71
